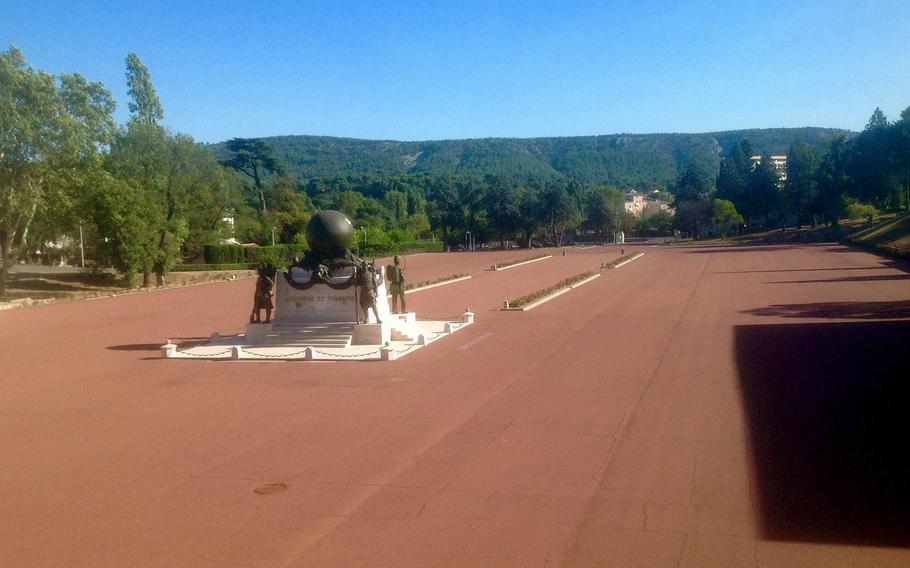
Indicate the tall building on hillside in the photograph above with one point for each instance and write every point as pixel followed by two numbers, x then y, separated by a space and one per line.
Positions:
pixel 779 163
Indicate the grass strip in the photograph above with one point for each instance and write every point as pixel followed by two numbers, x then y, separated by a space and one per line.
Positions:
pixel 562 284
pixel 500 265
pixel 620 260
pixel 432 282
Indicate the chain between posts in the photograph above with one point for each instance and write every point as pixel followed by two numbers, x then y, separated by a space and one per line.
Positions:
pixel 279 356
pixel 186 352
pixel 355 356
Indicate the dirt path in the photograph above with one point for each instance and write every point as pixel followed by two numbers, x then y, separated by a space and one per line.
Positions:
pixel 677 411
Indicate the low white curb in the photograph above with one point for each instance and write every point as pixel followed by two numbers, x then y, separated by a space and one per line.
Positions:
pixel 636 257
pixel 499 268
pixel 428 286
pixel 556 294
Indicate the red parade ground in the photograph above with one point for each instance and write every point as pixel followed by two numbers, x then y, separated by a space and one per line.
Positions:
pixel 736 406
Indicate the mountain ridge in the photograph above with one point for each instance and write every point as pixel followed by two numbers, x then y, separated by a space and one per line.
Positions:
pixel 622 159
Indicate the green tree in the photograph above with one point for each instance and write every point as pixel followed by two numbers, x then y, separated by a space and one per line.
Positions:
pixel 255 159
pixel 764 199
pixel 692 185
pixel 501 203
pixel 291 210
pixel 603 208
pixel 51 133
pixel 800 187
pixel 144 103
pixel 833 181
pixel 725 217
pixel 558 210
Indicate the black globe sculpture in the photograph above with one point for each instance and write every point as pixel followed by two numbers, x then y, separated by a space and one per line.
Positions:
pixel 329 232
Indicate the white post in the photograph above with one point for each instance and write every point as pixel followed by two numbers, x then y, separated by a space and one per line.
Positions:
pixel 237 352
pixel 168 350
pixel 467 316
pixel 81 246
pixel 386 353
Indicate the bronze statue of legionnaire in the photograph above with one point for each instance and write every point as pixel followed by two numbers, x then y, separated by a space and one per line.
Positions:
pixel 394 275
pixel 262 298
pixel 369 293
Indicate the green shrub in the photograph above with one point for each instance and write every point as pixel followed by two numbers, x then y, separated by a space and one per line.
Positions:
pixel 280 256
pixel 861 211
pixel 222 254
pixel 209 267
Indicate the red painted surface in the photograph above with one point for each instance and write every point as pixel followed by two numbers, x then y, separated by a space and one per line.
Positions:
pixel 607 427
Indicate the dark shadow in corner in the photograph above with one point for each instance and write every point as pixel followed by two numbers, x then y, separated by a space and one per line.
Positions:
pixel 827 406
pixel 837 310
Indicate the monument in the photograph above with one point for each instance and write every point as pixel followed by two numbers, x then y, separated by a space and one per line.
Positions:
pixel 329 305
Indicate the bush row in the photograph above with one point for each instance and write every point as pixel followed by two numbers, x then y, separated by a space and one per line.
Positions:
pixel 518 261
pixel 235 254
pixel 205 267
pixel 282 255
pixel 621 259
pixel 375 250
pixel 437 281
pixel 562 284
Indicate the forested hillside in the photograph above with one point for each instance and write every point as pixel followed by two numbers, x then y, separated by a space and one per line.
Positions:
pixel 625 160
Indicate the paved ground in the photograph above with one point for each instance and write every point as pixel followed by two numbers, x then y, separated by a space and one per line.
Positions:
pixel 697 407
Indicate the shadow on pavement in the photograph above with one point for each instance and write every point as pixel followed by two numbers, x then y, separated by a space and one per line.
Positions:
pixel 796 270
pixel 137 347
pixel 827 406
pixel 874 278
pixel 837 310
pixel 739 248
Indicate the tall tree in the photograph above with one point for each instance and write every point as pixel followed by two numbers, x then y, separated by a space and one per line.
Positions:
pixel 692 185
pixel 603 208
pixel 51 134
pixel 764 201
pixel 558 209
pixel 255 159
pixel 144 103
pixel 501 203
pixel 833 181
pixel 800 185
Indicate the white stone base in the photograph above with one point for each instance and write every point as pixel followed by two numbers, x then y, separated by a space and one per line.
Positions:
pixel 372 334
pixel 397 336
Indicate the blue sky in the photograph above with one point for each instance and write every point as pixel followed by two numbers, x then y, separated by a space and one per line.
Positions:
pixel 433 70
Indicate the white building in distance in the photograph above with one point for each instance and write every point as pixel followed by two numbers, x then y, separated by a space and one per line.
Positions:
pixel 779 163
pixel 645 204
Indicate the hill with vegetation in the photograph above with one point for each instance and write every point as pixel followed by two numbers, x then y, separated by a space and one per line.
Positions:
pixel 625 160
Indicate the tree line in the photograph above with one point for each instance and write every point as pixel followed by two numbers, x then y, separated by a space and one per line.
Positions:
pixel 855 177
pixel 143 198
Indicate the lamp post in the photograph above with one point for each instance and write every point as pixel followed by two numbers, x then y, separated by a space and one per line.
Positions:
pixel 467 240
pixel 363 233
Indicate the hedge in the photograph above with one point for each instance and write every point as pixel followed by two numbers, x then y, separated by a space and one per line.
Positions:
pixel 279 255
pixel 207 267
pixel 388 249
pixel 222 254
